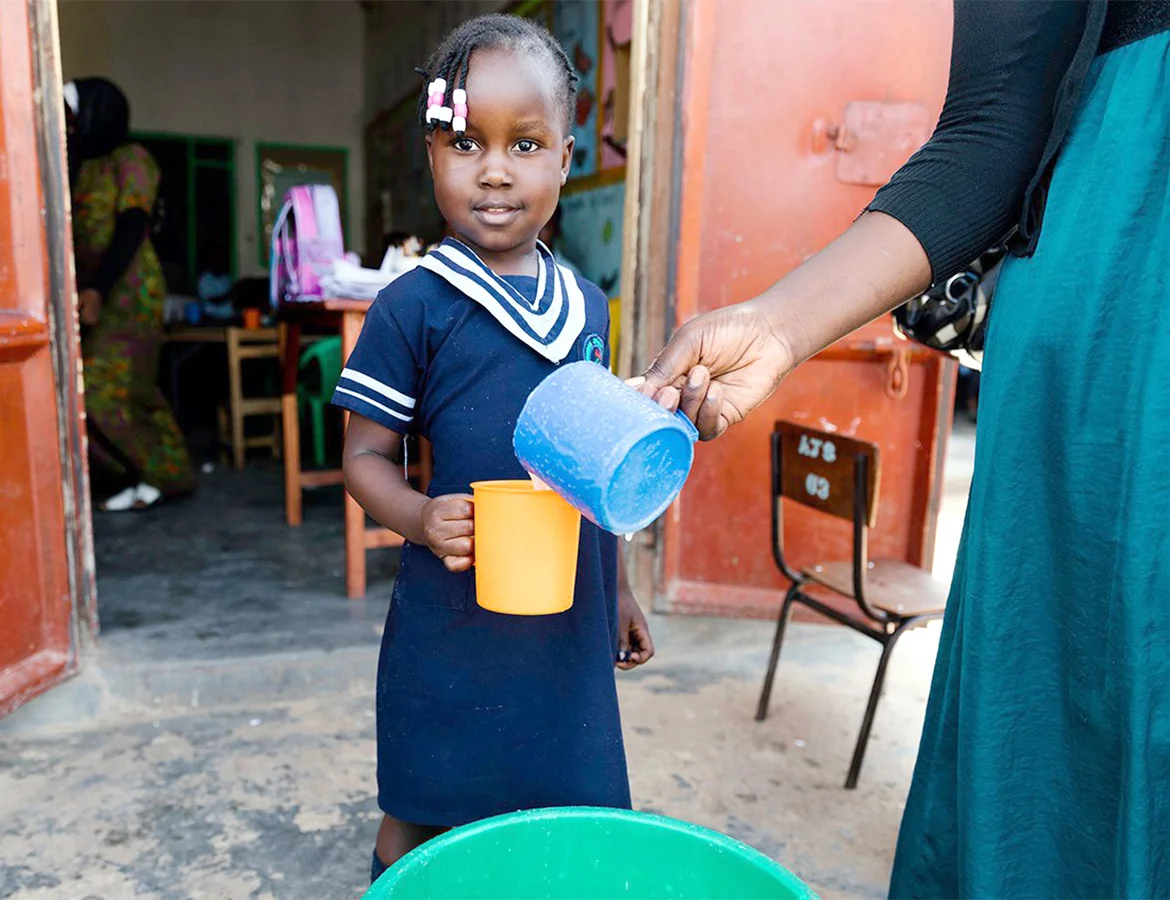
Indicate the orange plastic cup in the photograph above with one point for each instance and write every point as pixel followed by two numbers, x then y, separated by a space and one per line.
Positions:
pixel 526 544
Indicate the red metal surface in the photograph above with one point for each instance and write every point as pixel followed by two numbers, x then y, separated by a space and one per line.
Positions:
pixel 35 605
pixel 757 199
pixel 877 137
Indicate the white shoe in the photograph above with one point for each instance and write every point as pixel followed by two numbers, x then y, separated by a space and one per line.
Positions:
pixel 122 501
pixel 140 496
pixel 148 495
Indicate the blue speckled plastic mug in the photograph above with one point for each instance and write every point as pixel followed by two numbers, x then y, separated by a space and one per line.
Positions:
pixel 614 454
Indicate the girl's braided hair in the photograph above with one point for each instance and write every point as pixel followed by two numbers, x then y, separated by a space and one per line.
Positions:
pixel 450 61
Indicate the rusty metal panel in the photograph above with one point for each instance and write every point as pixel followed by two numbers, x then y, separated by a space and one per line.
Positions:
pixel 762 186
pixel 873 140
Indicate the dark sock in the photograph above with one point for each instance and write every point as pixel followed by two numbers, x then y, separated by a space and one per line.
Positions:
pixel 377 867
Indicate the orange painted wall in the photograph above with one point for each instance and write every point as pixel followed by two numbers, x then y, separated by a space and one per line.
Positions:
pixel 757 197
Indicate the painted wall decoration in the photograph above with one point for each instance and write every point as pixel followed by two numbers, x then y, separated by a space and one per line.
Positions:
pixel 615 81
pixel 576 25
pixel 591 233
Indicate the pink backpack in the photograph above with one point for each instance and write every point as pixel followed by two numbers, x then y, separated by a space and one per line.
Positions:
pixel 306 240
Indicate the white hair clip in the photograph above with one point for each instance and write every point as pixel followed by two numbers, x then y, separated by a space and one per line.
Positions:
pixel 459 108
pixel 436 109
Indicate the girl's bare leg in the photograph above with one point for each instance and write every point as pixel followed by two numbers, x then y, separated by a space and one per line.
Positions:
pixel 397 838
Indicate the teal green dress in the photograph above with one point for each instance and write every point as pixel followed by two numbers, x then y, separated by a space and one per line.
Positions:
pixel 1044 769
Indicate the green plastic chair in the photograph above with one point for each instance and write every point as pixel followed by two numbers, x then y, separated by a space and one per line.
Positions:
pixel 319 370
pixel 586 854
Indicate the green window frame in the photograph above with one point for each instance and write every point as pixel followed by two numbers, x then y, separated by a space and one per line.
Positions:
pixel 192 144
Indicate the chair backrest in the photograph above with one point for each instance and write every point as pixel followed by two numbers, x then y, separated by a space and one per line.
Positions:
pixel 326 353
pixel 834 474
pixel 819 469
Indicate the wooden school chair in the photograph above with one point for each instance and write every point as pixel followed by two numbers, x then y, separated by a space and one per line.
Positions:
pixel 839 477
pixel 244 344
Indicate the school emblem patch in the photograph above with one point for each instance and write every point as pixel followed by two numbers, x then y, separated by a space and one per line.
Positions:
pixel 593 349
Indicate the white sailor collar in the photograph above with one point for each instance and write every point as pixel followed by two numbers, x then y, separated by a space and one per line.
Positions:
pixel 550 324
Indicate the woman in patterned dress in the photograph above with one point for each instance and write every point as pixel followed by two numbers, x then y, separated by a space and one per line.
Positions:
pixel 133 435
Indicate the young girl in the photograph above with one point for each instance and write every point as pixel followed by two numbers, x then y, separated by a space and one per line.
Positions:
pixel 479 713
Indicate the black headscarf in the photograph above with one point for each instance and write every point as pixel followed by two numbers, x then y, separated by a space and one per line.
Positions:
pixel 102 121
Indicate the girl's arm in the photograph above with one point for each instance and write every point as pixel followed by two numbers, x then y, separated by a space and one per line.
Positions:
pixel 372 464
pixel 635 646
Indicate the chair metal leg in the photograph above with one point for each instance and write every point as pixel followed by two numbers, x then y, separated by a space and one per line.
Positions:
pixel 871 709
pixel 781 626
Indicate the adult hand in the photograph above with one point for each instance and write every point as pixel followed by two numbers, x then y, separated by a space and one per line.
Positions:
pixel 448 527
pixel 89 307
pixel 635 646
pixel 728 362
pixel 724 364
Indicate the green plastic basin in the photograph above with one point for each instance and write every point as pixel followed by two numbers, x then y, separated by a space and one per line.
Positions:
pixel 586 854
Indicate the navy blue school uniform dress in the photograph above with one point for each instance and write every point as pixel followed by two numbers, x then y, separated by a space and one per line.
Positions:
pixel 480 713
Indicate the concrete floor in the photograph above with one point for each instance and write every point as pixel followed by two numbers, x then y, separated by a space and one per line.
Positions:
pixel 219 743
pixel 219 575
pixel 275 800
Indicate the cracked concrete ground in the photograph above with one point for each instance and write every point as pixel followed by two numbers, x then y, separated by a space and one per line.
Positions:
pixel 219 743
pixel 276 801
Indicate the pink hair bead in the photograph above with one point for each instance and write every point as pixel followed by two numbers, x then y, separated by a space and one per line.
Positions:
pixel 459 110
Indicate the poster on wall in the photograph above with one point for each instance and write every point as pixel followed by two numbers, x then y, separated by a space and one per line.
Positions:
pixel 615 81
pixel 591 234
pixel 576 26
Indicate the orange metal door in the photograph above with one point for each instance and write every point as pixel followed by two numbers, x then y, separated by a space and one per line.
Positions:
pixel 36 648
pixel 793 114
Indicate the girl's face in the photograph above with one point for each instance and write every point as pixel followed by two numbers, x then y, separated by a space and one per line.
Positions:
pixel 499 183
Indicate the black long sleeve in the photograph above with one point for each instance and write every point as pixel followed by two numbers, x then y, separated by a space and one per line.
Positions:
pixel 1015 68
pixel 130 228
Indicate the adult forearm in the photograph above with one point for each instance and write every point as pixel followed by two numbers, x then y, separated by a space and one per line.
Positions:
pixel 130 229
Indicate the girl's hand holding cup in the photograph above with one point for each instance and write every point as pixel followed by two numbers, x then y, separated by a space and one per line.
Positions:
pixel 448 527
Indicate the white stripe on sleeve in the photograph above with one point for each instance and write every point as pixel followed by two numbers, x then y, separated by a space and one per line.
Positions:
pixel 374 404
pixel 374 385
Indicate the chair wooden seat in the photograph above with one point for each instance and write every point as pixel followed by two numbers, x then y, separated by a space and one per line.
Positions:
pixel 893 586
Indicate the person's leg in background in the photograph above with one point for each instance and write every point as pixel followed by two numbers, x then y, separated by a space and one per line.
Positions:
pixel 124 403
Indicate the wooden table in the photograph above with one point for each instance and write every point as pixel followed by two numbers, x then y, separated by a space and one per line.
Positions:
pixel 347 318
